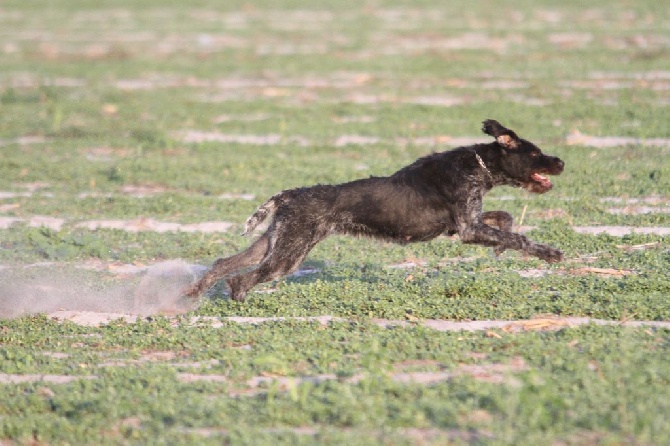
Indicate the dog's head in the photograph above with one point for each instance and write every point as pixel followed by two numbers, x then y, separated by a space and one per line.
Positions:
pixel 521 162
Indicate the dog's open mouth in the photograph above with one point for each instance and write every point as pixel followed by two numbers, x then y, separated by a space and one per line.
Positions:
pixel 538 183
pixel 542 180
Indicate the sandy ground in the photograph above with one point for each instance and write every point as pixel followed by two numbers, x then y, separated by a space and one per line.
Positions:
pixel 95 318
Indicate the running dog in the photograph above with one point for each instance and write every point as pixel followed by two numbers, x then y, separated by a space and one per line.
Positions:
pixel 437 194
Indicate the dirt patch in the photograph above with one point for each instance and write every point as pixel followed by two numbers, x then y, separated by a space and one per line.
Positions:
pixel 602 272
pixel 356 140
pixel 570 40
pixel 451 141
pixel 617 231
pixel 249 117
pixel 97 318
pixel 4 195
pixel 272 139
pixel 496 373
pixel 353 119
pixel 25 140
pixel 230 196
pixel 105 153
pixel 638 206
pixel 653 200
pixel 6 378
pixel 219 322
pixel 438 101
pixel 195 377
pixel 144 190
pixel 200 137
pixel 36 221
pixel 543 323
pixel 386 44
pixel 533 102
pixel 639 210
pixel 139 225
pixel 256 85
pixel 149 224
pixel 576 138
pixel 425 378
pixel 620 231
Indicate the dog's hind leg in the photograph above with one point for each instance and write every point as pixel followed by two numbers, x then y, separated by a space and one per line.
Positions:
pixel 283 258
pixel 226 266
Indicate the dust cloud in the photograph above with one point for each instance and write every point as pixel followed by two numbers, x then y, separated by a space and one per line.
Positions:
pixel 50 288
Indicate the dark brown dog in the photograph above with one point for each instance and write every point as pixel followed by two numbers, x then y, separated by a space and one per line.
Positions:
pixel 437 194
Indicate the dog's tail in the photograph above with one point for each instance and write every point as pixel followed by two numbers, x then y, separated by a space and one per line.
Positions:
pixel 267 208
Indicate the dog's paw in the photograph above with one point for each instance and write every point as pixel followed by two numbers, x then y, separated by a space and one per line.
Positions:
pixel 549 254
pixel 236 292
pixel 192 292
pixel 544 252
pixel 498 250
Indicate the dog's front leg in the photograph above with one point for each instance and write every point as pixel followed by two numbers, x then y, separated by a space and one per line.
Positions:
pixel 501 220
pixel 482 234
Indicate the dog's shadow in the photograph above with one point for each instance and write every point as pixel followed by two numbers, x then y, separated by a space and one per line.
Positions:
pixel 310 272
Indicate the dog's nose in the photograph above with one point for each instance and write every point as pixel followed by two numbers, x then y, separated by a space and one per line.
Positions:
pixel 559 164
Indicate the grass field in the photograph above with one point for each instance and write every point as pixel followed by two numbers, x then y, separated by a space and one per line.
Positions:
pixel 136 133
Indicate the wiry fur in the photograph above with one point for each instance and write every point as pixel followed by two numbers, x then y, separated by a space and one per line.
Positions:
pixel 438 194
pixel 261 214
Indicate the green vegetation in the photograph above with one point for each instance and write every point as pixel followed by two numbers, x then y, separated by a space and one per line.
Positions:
pixel 583 385
pixel 198 111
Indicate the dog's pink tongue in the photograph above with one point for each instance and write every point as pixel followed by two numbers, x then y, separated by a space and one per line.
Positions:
pixel 544 181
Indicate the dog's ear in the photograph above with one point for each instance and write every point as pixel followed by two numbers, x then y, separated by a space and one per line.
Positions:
pixel 505 137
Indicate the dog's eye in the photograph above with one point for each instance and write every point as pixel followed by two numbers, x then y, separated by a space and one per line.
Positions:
pixel 534 154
